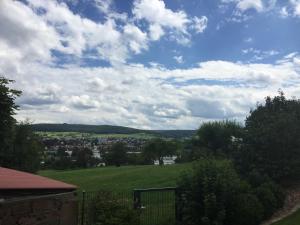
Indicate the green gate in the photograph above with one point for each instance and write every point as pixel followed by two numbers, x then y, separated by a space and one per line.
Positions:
pixel 158 206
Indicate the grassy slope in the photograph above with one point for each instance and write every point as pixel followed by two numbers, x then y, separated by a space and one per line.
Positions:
pixel 122 178
pixel 293 219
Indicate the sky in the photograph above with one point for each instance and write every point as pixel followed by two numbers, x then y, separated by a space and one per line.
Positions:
pixel 148 64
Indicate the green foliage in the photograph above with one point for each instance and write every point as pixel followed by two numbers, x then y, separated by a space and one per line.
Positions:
pixel 158 148
pixel 214 194
pixel 111 210
pixel 117 154
pixel 19 146
pixel 272 141
pixel 216 138
pixel 27 149
pixel 246 209
pixel 7 122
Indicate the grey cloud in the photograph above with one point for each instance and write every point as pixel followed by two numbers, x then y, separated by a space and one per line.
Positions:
pixel 162 110
pixel 210 109
pixel 83 102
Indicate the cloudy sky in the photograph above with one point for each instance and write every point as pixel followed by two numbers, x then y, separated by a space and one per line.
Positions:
pixel 149 64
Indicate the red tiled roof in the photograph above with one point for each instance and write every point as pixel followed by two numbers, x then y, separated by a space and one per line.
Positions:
pixel 14 179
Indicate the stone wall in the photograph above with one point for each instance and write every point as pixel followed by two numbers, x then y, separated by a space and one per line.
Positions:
pixel 59 209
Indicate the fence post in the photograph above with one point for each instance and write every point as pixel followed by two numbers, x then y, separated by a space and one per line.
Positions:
pixel 136 199
pixel 178 206
pixel 83 208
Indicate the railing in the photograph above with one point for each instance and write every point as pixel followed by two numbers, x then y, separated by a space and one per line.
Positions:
pixel 154 206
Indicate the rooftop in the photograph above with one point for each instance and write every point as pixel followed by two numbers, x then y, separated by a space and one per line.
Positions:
pixel 16 180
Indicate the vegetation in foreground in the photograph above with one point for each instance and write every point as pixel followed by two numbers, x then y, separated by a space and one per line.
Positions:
pixel 124 178
pixel 19 146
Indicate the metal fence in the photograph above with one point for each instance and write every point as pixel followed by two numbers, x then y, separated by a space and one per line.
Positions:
pixel 88 200
pixel 155 206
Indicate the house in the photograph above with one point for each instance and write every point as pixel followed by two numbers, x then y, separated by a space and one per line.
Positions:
pixel 167 160
pixel 31 199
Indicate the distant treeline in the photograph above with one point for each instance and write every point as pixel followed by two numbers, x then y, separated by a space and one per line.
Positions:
pixel 109 129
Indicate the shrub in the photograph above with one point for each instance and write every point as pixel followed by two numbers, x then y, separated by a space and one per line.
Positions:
pixel 214 194
pixel 109 209
pixel 246 210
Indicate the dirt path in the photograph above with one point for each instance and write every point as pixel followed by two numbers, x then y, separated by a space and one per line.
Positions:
pixel 291 204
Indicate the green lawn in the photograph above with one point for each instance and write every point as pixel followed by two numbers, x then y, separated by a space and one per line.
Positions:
pixel 293 219
pixel 124 178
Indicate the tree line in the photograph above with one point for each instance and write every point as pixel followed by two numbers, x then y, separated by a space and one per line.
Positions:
pixel 20 148
pixel 240 171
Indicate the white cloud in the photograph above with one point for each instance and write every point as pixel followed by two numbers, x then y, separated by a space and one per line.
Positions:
pixel 248 40
pixel 244 5
pixel 155 12
pixel 126 94
pixel 51 25
pixel 284 12
pixel 259 54
pixel 19 25
pixel 155 31
pixel 200 24
pixel 83 102
pixel 136 38
pixel 106 7
pixel 296 7
pixel 162 19
pixel 178 59
pixel 131 95
pixel 257 5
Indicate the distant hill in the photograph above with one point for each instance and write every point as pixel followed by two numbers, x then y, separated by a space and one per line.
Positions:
pixel 109 129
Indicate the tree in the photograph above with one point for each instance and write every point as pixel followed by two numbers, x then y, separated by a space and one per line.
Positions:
pixel 158 148
pixel 19 146
pixel 272 141
pixel 217 138
pixel 27 149
pixel 117 154
pixel 212 190
pixel 214 194
pixel 7 122
pixel 84 158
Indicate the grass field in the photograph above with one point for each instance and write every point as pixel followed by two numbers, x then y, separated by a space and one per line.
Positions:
pixel 124 178
pixel 293 219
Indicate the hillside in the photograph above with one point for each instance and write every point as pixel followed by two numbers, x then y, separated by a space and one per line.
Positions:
pixel 109 129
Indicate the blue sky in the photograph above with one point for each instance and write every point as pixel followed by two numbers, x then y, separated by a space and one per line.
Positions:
pixel 150 64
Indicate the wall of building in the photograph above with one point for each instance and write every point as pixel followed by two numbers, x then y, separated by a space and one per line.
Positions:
pixel 59 209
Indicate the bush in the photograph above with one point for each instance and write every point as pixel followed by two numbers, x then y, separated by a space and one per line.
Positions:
pixel 246 210
pixel 271 197
pixel 214 194
pixel 110 209
pixel 269 193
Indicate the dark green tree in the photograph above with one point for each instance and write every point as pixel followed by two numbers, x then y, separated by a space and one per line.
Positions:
pixel 7 122
pixel 272 141
pixel 217 138
pixel 158 148
pixel 215 195
pixel 27 149
pixel 84 158
pixel 117 154
pixel 19 146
